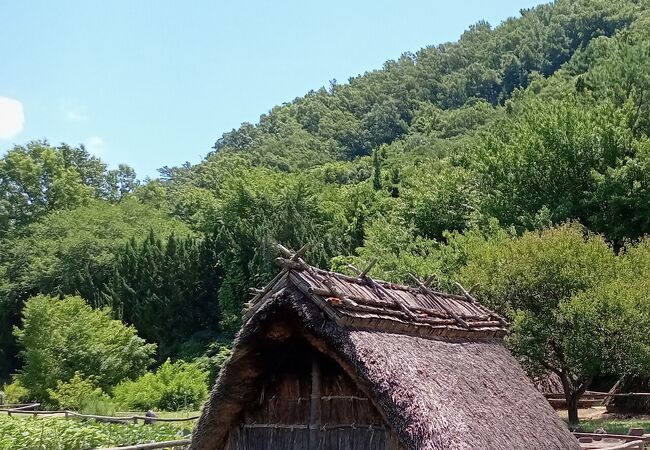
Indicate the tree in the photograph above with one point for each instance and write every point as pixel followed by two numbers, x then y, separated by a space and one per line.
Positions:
pixel 73 251
pixel 566 318
pixel 167 289
pixel 37 179
pixel 550 157
pixel 62 337
pixel 70 252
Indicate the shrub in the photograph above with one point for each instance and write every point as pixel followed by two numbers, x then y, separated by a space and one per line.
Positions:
pixel 174 386
pixel 98 405
pixel 76 393
pixel 62 336
pixel 15 393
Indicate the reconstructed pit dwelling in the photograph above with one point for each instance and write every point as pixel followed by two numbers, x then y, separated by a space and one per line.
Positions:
pixel 328 361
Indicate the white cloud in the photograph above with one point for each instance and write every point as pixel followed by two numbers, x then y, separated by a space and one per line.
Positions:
pixel 12 117
pixel 76 115
pixel 95 145
pixel 73 112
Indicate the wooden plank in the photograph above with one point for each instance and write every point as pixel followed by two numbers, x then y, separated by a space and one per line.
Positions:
pixel 261 298
pixel 595 445
pixel 152 446
pixel 314 406
pixel 623 437
pixel 167 419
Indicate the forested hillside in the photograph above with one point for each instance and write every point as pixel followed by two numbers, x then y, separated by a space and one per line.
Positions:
pixel 517 157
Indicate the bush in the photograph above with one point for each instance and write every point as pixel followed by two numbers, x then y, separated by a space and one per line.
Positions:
pixel 15 393
pixel 174 386
pixel 60 337
pixel 77 393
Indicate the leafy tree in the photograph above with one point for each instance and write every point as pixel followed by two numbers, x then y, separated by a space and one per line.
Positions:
pixel 166 289
pixel 554 286
pixel 441 198
pixel 37 179
pixel 550 158
pixel 62 337
pixel 70 252
pixel 623 75
pixel 73 251
pixel 397 251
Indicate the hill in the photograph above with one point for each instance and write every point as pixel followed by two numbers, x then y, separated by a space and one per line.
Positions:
pixel 536 127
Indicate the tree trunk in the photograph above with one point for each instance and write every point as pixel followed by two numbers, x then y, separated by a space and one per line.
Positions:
pixel 572 394
pixel 572 407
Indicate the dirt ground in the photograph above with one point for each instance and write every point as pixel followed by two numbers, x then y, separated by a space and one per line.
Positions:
pixel 594 413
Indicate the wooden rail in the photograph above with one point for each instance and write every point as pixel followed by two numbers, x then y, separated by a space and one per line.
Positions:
pixel 18 406
pixel 152 446
pixel 638 445
pixel 30 409
pixel 598 395
pixel 622 437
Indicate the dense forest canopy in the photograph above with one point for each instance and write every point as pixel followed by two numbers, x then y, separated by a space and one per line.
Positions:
pixel 517 157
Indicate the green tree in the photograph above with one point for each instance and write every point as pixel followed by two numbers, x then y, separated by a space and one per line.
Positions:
pixel 549 158
pixel 37 179
pixel 167 289
pixel 73 251
pixel 62 337
pixel 553 285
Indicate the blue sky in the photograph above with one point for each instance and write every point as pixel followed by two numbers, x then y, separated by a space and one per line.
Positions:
pixel 155 83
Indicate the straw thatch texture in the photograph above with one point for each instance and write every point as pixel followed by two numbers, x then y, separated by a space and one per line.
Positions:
pixel 549 383
pixel 433 393
pixel 448 394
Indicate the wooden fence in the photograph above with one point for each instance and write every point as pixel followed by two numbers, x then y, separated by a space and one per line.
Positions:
pixel 626 441
pixel 638 445
pixel 589 398
pixel 31 409
pixel 180 444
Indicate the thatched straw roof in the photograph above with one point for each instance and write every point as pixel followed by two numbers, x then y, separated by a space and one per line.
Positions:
pixel 549 384
pixel 630 395
pixel 433 364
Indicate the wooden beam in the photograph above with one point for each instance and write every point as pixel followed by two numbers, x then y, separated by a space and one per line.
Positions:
pixel 300 253
pixel 430 280
pixel 368 268
pixel 314 405
pixel 154 445
pixel 285 251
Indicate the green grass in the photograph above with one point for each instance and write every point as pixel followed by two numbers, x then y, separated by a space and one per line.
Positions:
pixel 615 425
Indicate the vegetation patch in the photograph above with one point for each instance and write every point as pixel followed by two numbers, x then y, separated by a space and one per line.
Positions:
pixel 62 434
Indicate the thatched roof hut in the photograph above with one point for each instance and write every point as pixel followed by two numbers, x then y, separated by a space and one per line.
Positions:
pixel 328 361
pixel 630 395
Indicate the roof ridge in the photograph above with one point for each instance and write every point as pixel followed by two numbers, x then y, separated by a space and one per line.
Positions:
pixel 295 265
pixel 361 301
